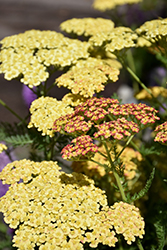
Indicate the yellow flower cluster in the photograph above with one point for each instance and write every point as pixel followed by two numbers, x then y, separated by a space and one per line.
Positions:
pixel 127 221
pixel 87 26
pixel 96 171
pixel 55 210
pixel 118 39
pixel 2 147
pixel 153 30
pixel 44 111
pixel 111 4
pixel 88 76
pixel 27 55
pixel 143 42
pixel 156 91
pixel 73 100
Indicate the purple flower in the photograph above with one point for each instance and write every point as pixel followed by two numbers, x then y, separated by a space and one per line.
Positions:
pixel 4 160
pixel 28 95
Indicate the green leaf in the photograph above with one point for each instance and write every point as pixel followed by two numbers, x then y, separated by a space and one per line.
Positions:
pixel 19 140
pixel 148 151
pixel 161 235
pixel 145 189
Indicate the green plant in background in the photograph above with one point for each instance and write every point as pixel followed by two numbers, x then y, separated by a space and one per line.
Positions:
pixel 115 193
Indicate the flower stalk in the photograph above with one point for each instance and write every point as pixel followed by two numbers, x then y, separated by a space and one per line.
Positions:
pixel 118 180
pixel 11 110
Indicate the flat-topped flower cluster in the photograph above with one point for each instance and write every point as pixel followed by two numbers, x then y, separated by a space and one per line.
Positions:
pixel 30 54
pixel 54 210
pixel 111 4
pixel 107 117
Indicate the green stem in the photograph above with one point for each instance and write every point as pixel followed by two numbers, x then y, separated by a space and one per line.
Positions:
pixel 98 163
pixel 120 186
pixel 127 143
pixel 118 180
pixel 130 60
pixel 8 108
pixel 138 242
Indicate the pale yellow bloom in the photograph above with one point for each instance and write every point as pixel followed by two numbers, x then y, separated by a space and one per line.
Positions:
pixel 28 55
pixel 153 30
pixel 44 111
pixel 87 26
pixel 88 77
pixel 153 34
pixel 118 39
pixel 50 206
pixel 104 5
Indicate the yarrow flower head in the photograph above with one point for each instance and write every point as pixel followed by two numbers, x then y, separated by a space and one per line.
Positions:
pixel 82 147
pixel 153 30
pixel 53 210
pixel 108 118
pixel 118 39
pixel 28 55
pixel 89 76
pixel 87 26
pixel 43 112
pixel 119 129
pixel 161 133
pixel 111 4
pixel 127 221
pixel 153 34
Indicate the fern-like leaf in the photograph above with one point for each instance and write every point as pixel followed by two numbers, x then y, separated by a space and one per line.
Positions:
pixel 19 140
pixel 148 151
pixel 145 189
pixel 160 232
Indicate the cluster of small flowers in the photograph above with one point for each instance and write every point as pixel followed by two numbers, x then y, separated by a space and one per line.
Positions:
pixel 54 210
pixel 119 129
pixel 87 26
pixel 127 221
pixel 156 91
pixel 44 110
pixel 139 113
pixel 2 147
pixel 111 4
pixel 82 147
pixel 28 55
pixel 95 171
pixel 124 218
pixel 161 133
pixel 89 76
pixel 118 39
pixel 153 30
pixel 97 110
pixel 84 115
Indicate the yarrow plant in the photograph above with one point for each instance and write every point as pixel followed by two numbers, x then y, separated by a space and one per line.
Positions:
pixel 94 175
